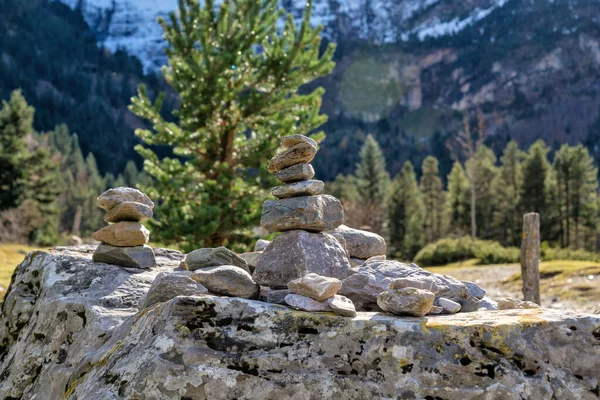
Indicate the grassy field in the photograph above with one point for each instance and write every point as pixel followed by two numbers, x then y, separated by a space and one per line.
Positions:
pixel 10 256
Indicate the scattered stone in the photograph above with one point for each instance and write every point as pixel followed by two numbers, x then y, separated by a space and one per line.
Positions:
pixel 292 140
pixel 297 189
pixel 129 211
pixel 357 262
pixel 311 213
pixel 251 259
pixel 295 254
pixel 296 173
pixel 112 197
pixel 278 296
pixel 435 310
pixel 298 153
pixel 406 301
pixel 168 285
pixel 123 234
pixel 376 258
pixel 488 304
pixel 470 304
pixel 474 290
pixel 304 303
pixel 261 244
pixel 227 280
pixel 448 306
pixel 342 306
pixel 75 240
pixel 315 286
pixel 134 257
pixel 362 244
pixel 425 282
pixel 213 257
pixel 510 303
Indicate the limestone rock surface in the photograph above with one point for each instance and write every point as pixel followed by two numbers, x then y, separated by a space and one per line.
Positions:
pixel 296 173
pixel 311 213
pixel 315 286
pixel 298 189
pixel 227 280
pixel 294 254
pixel 112 197
pixel 123 234
pixel 70 329
pixel 296 154
pixel 129 211
pixel 133 257
pixel 406 301
pixel 213 257
pixel 362 244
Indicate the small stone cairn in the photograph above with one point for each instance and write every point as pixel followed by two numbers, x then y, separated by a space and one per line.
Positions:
pixel 124 240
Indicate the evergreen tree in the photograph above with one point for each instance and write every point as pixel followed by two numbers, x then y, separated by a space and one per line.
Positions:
pixel 237 71
pixel 458 200
pixel 506 192
pixel 433 200
pixel 403 206
pixel 373 181
pixel 482 168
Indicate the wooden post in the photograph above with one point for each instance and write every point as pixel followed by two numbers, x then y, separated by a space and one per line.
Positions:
pixel 530 257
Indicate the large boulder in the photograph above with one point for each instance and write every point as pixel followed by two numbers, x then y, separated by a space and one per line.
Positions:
pixel 294 254
pixel 369 280
pixel 362 244
pixel 71 329
pixel 311 213
pixel 213 257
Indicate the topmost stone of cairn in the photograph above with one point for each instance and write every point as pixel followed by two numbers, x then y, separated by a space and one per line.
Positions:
pixel 113 197
pixel 292 140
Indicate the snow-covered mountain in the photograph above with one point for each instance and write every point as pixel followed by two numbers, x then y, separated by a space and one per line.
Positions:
pixel 131 24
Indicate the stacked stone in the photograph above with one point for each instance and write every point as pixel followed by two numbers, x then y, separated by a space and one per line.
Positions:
pixel 302 214
pixel 319 293
pixel 124 240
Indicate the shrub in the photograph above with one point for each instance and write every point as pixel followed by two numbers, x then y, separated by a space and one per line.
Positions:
pixel 549 254
pixel 450 250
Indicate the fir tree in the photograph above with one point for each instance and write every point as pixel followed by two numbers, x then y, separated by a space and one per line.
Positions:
pixel 403 206
pixel 482 168
pixel 506 192
pixel 237 72
pixel 457 200
pixel 373 181
pixel 433 200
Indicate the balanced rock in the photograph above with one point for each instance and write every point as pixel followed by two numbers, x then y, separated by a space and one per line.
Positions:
pixel 123 234
pixel 129 211
pixel 315 286
pixel 474 290
pixel 296 154
pixel 362 244
pixel 406 301
pixel 297 189
pixel 261 244
pixel 342 306
pixel 295 173
pixel 112 197
pixel 305 303
pixel 294 254
pixel 134 257
pixel 168 285
pixel 448 306
pixel 213 257
pixel 227 280
pixel 425 282
pixel 292 140
pixel 312 213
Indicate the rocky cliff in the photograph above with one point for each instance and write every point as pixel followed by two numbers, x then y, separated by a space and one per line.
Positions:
pixel 71 328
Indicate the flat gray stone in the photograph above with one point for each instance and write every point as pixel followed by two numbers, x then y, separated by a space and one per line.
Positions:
pixel 470 304
pixel 294 254
pixel 261 244
pixel 123 234
pixel 129 211
pixel 296 154
pixel 315 286
pixel 304 303
pixel 133 257
pixel 213 257
pixel 425 282
pixel 406 301
pixel 298 189
pixel 311 213
pixel 113 197
pixel 251 259
pixel 276 296
pixel 448 306
pixel 168 285
pixel 474 290
pixel 357 262
pixel 435 310
pixel 292 140
pixel 342 306
pixel 227 280
pixel 296 173
pixel 489 304
pixel 362 244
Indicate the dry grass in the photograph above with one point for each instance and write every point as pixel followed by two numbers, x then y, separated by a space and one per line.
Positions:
pixel 11 255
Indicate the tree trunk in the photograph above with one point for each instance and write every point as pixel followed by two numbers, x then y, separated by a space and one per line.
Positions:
pixel 530 257
pixel 76 230
pixel 568 211
pixel 473 211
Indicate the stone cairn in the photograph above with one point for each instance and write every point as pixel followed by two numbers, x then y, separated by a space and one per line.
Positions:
pixel 124 240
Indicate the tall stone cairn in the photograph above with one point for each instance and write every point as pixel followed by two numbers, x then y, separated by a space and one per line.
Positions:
pixel 303 215
pixel 124 240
